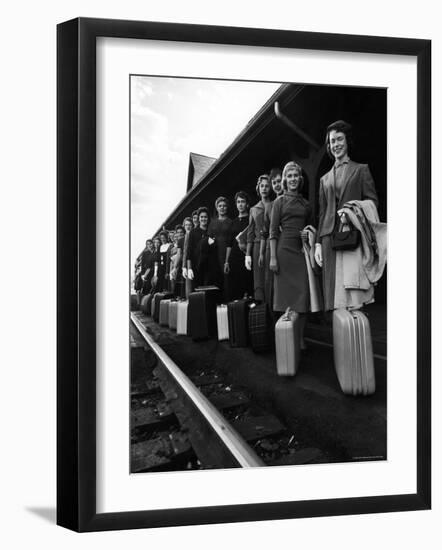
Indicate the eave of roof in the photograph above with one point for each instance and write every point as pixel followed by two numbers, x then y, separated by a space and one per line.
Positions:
pixel 284 94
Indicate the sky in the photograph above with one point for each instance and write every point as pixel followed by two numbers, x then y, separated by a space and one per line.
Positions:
pixel 170 118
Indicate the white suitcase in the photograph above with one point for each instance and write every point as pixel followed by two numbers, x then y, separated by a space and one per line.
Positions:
pixel 223 322
pixel 353 352
pixel 287 344
pixel 181 323
pixel 173 312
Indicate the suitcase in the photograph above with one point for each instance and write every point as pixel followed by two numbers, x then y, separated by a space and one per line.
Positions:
pixel 146 303
pixel 202 313
pixel 164 312
pixel 133 302
pixel 155 308
pixel 149 303
pixel 213 290
pixel 238 314
pixel 261 328
pixel 353 352
pixel 173 311
pixel 222 322
pixel 181 321
pixel 287 344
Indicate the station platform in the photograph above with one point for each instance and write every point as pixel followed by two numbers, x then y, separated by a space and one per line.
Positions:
pixel 334 426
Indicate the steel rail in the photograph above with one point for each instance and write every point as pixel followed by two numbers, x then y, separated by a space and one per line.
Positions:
pixel 234 443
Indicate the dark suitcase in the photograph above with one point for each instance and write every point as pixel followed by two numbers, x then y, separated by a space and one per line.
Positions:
pixel 146 302
pixel 202 313
pixel 164 312
pixel 133 302
pixel 238 315
pixel 214 291
pixel 149 303
pixel 261 328
pixel 158 296
pixel 353 352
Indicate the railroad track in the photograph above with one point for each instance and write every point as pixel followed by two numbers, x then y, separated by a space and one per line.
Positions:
pixel 197 421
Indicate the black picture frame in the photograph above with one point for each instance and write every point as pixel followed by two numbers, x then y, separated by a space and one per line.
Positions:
pixel 76 273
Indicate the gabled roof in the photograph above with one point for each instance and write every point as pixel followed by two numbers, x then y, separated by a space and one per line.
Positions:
pixel 198 166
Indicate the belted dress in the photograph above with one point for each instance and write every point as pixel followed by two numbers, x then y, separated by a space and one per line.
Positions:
pixel 290 214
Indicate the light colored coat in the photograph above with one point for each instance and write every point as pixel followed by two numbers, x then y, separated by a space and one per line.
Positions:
pixel 316 300
pixel 358 270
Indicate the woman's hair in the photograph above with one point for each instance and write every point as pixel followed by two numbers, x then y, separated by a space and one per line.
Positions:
pixel 292 166
pixel 274 172
pixel 195 213
pixel 242 195
pixel 202 209
pixel 221 199
pixel 339 126
pixel 179 226
pixel 187 219
pixel 260 179
pixel 165 233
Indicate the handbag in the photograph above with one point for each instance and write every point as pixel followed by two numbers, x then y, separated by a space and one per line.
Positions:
pixel 348 239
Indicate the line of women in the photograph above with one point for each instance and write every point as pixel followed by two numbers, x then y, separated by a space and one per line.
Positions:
pixel 264 251
pixel 258 253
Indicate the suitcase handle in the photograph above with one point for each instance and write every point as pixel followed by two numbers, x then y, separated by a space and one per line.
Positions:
pixel 286 316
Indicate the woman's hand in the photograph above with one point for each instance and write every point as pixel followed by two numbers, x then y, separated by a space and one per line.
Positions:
pixel 261 260
pixel 190 275
pixel 154 281
pixel 226 268
pixel 274 265
pixel 248 263
pixel 185 272
pixel 173 274
pixel 342 217
pixel 318 254
pixel 210 240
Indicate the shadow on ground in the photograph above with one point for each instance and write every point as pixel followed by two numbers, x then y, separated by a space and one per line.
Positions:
pixel 48 514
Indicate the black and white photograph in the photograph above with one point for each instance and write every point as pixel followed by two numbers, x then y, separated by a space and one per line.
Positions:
pixel 258 274
pixel 222 220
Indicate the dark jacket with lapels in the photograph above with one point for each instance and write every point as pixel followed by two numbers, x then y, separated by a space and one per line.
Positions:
pixel 357 184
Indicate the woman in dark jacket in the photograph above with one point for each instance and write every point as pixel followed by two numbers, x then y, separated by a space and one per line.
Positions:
pixel 241 280
pixel 176 262
pixel 346 181
pixel 147 266
pixel 220 246
pixel 161 270
pixel 198 251
pixel 255 255
pixel 188 226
